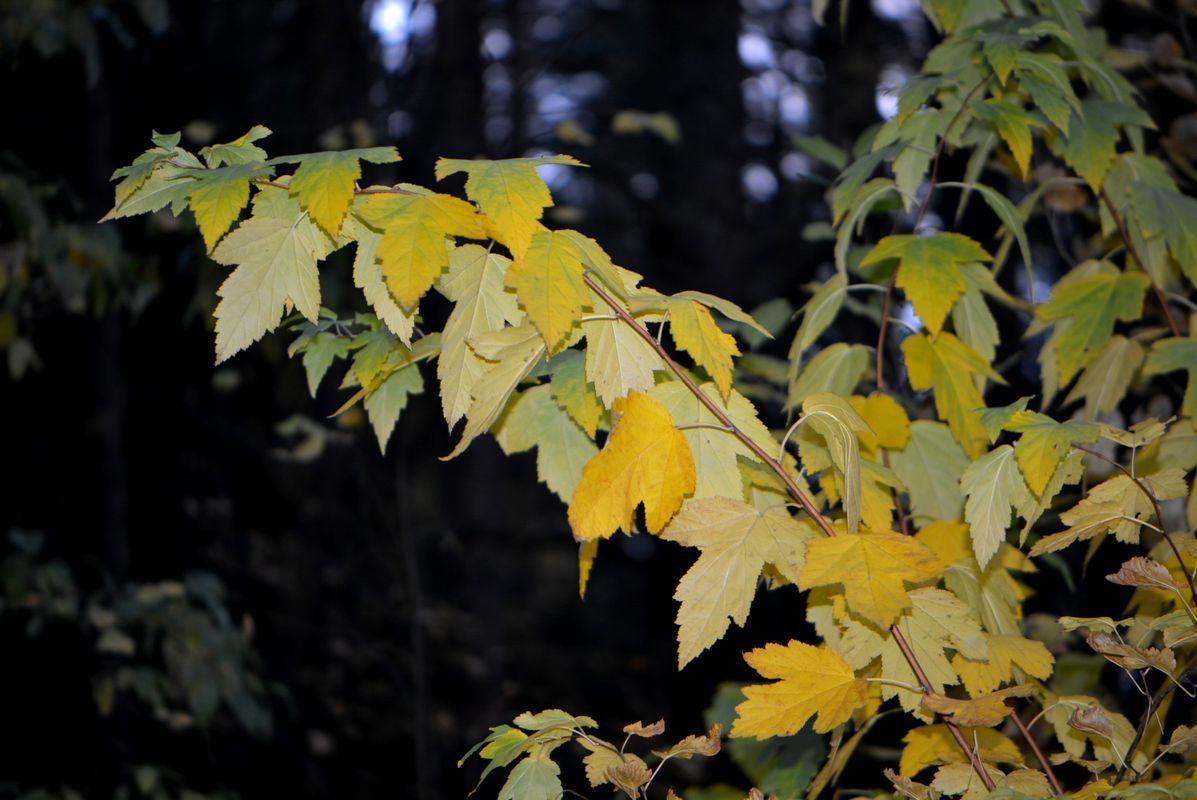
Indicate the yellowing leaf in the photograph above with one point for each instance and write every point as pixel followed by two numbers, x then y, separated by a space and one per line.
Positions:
pixel 928 745
pixel 736 541
pixel 276 265
pixel 1116 505
pixel 1088 308
pixel 646 459
pixel 993 486
pixel 618 361
pixel 1044 444
pixel 417 229
pixel 929 270
pixel 509 192
pixel 873 568
pixel 475 284
pixel 836 369
pixel 513 352
pixel 562 448
pixel 949 367
pixel 810 680
pixel 716 452
pixel 324 182
pixel 936 621
pixel 694 330
pixel 547 278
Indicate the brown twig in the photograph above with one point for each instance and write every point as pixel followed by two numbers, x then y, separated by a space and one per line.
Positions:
pixel 1159 515
pixel 1134 253
pixel 791 486
pixel 1043 762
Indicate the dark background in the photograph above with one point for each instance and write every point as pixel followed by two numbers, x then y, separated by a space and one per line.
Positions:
pixel 398 605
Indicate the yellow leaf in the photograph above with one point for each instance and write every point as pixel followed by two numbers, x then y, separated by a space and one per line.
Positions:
pixel 1005 653
pixel 929 270
pixel 324 182
pixel 646 459
pixel 547 278
pixel 889 427
pixel 219 196
pixel 810 680
pixel 587 552
pixel 948 366
pixel 694 330
pixel 948 540
pixel 618 361
pixel 928 745
pixel 509 192
pixel 873 568
pixel 417 229
pixel 993 485
pixel 736 541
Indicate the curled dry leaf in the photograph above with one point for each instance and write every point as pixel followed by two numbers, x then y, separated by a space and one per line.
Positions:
pixel 647 731
pixel 1140 571
pixel 909 788
pixel 1129 657
pixel 1092 720
pixel 1183 739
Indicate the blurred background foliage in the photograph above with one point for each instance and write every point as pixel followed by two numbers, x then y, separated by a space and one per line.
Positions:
pixel 209 588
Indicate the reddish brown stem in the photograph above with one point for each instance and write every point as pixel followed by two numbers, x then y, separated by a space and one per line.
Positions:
pixel 791 486
pixel 1134 253
pixel 1043 762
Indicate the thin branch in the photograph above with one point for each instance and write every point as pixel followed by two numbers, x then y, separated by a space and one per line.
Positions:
pixel 1159 514
pixel 1043 762
pixel 791 486
pixel 1134 253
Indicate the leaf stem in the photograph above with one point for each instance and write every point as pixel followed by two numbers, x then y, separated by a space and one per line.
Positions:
pixel 791 486
pixel 1043 762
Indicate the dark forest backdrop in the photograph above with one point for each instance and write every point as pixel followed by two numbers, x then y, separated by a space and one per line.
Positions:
pixel 326 621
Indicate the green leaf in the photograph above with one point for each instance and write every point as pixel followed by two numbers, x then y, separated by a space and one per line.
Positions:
pixel 275 260
pixel 817 315
pixel 1086 310
pixel 863 202
pixel 1049 86
pixel 618 361
pixel 1172 355
pixel 919 134
pixel 534 419
pixel 995 419
pixel 836 369
pixel 930 466
pixel 1007 213
pixel 993 486
pixel 509 192
pixel 572 391
pixel 384 404
pixel 537 777
pixel 1106 380
pixel 1090 145
pixel 930 270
